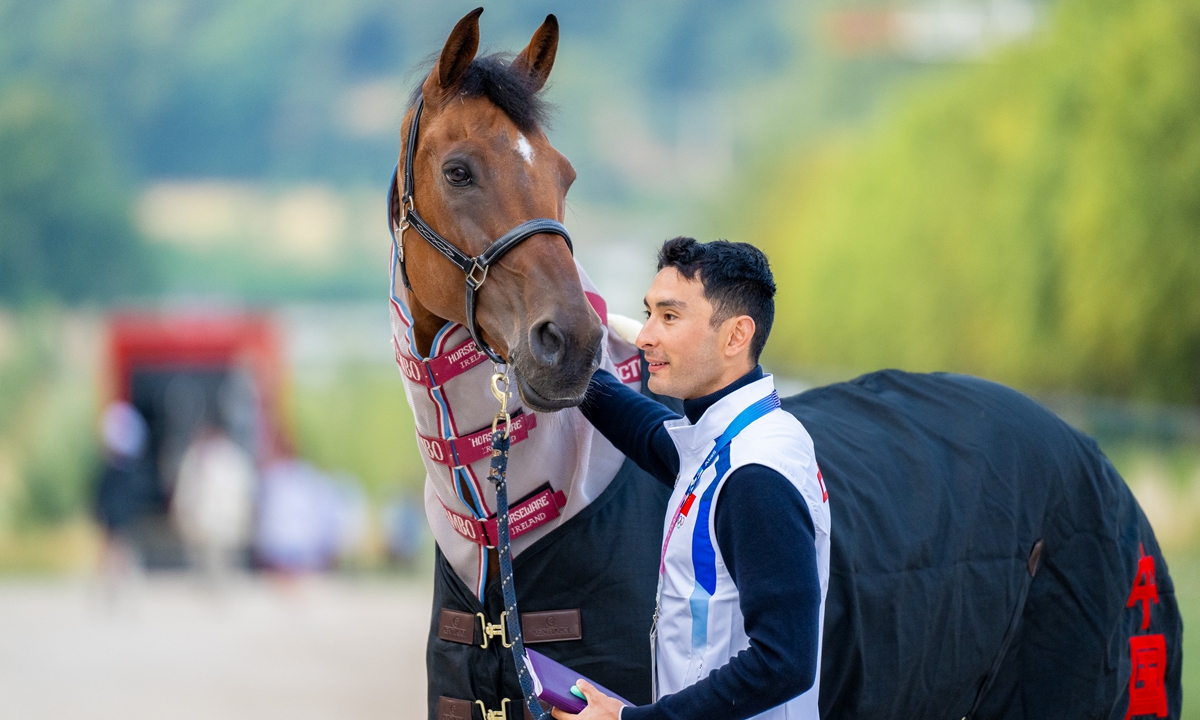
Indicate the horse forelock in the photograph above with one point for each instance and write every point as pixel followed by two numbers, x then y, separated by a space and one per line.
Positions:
pixel 512 91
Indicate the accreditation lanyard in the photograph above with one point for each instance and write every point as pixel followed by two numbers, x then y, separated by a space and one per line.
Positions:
pixel 740 423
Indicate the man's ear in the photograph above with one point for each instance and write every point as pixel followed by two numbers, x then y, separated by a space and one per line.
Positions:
pixel 741 335
pixel 456 57
pixel 537 58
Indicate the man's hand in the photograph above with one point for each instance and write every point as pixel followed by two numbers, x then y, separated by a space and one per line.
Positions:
pixel 599 705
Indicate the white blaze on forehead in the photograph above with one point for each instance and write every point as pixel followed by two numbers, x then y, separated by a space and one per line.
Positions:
pixel 524 148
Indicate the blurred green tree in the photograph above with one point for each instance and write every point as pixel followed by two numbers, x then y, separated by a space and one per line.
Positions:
pixel 1034 218
pixel 65 231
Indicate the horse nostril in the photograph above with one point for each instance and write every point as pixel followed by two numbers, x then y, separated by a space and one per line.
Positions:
pixel 548 343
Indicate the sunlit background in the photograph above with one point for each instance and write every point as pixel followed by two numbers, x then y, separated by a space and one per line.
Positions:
pixel 192 218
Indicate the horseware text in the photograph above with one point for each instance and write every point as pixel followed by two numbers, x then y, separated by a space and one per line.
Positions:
pixel 470 449
pixel 525 516
pixel 438 370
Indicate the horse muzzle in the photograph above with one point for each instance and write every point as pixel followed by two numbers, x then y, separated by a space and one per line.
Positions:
pixel 553 368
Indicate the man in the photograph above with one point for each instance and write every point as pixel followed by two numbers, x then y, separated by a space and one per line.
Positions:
pixel 745 560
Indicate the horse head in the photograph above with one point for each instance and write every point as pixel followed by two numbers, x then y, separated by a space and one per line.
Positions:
pixel 483 166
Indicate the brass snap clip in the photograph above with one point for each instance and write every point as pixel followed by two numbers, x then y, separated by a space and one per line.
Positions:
pixel 501 714
pixel 490 630
pixel 502 392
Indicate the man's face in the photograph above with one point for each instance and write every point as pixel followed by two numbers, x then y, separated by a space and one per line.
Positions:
pixel 681 345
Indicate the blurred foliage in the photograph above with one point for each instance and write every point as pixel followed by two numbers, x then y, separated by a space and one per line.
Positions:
pixel 47 435
pixel 100 96
pixel 358 421
pixel 65 231
pixel 1034 218
pixel 242 272
pixel 233 89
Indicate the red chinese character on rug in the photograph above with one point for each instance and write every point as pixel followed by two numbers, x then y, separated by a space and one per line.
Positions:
pixel 1144 587
pixel 1147 696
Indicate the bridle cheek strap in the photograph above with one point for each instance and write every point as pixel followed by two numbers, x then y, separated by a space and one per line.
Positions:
pixel 474 268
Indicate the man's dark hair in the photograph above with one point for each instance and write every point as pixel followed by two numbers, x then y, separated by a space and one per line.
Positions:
pixel 736 278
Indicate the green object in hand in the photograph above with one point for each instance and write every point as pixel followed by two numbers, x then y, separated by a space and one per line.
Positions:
pixel 578 693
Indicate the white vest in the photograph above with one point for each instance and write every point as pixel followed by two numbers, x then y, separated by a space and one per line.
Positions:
pixel 700 623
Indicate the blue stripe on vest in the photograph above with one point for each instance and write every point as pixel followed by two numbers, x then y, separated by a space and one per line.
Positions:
pixel 704 557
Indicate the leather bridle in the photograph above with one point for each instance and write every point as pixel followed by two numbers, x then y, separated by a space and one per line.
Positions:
pixel 475 268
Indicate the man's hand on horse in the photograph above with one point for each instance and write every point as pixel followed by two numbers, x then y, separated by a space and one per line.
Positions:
pixel 599 705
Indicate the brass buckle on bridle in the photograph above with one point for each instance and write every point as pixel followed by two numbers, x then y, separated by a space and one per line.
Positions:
pixel 491 630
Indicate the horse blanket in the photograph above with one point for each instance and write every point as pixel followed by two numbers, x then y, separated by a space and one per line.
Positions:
pixel 987 561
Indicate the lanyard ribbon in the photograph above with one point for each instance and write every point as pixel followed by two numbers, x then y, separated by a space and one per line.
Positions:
pixel 740 423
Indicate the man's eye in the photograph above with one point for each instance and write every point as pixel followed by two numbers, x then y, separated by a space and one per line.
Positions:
pixel 457 175
pixel 647 314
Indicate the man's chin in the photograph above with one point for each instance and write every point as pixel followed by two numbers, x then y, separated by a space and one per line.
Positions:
pixel 660 385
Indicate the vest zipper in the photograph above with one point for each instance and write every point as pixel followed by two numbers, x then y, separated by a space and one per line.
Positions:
pixel 654 642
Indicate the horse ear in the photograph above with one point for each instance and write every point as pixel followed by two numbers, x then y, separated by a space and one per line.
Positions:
pixel 537 58
pixel 456 57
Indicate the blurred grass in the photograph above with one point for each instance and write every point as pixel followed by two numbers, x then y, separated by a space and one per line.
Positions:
pixel 69 547
pixel 356 420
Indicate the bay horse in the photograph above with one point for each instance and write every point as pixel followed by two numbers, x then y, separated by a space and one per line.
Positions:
pixel 987 560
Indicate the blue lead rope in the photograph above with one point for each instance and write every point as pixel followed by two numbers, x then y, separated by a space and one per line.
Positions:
pixel 496 474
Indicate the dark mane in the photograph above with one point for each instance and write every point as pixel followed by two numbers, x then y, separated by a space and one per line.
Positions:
pixel 493 77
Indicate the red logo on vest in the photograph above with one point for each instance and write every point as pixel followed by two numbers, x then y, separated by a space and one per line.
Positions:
pixel 824 492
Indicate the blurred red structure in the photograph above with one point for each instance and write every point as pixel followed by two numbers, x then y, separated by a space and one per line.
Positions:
pixel 179 343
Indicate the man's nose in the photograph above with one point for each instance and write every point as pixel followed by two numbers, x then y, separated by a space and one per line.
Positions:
pixel 645 337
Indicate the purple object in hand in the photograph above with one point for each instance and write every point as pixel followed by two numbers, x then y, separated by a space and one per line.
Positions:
pixel 552 683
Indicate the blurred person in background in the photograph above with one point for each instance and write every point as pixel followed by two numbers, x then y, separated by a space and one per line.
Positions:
pixel 404 524
pixel 213 503
pixel 297 520
pixel 306 521
pixel 122 493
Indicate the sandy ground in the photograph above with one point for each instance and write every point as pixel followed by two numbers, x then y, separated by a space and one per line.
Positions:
pixel 170 650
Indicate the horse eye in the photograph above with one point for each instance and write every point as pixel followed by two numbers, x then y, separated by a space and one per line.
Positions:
pixel 457 175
